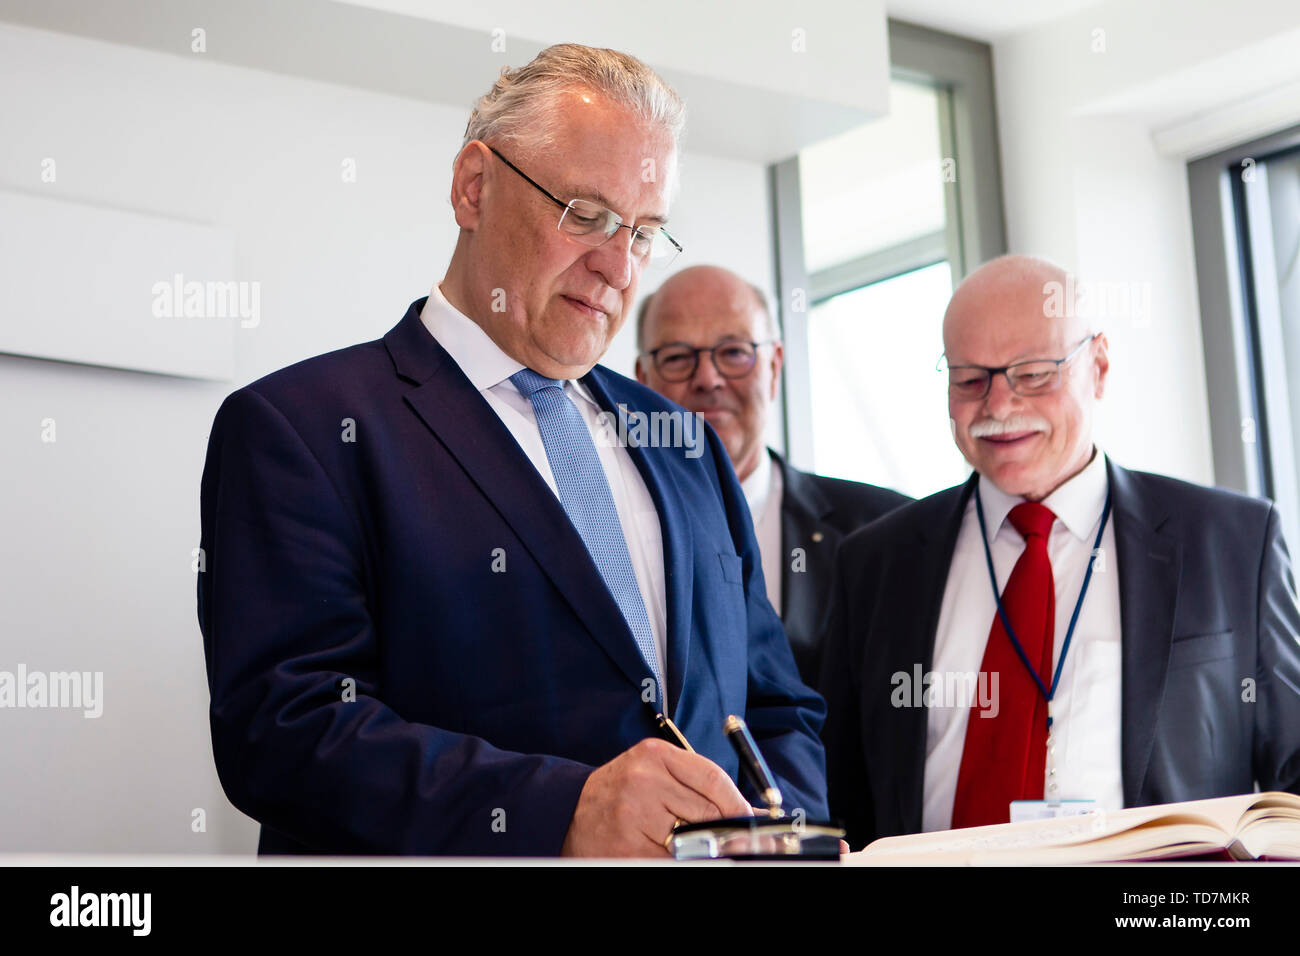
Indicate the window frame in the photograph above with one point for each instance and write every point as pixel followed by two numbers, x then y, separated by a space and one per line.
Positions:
pixel 961 72
pixel 1241 332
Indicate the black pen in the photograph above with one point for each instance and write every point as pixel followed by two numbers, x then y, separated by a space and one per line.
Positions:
pixel 753 764
pixel 672 734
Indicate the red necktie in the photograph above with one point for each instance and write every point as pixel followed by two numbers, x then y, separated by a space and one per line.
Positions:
pixel 1005 756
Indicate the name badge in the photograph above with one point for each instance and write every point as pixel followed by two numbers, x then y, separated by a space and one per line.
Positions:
pixel 1022 810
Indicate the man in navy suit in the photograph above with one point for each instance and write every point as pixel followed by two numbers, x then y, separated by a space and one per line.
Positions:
pixel 1155 656
pixel 443 603
pixel 708 341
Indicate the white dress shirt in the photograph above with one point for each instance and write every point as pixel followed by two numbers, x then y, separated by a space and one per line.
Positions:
pixel 1086 708
pixel 763 490
pixel 489 369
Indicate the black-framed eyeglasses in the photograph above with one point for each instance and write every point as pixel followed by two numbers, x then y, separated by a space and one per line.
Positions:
pixel 592 224
pixel 677 361
pixel 971 383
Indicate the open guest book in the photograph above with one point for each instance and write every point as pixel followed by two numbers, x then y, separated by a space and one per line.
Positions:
pixel 1253 826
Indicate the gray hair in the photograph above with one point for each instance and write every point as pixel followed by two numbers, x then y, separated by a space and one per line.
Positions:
pixel 519 109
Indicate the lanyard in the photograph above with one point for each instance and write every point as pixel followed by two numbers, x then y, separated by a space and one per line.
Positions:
pixel 1074 618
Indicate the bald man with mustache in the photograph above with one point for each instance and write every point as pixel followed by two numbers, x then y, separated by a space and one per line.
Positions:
pixel 1058 632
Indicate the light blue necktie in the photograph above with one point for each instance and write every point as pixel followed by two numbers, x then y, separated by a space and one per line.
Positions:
pixel 587 501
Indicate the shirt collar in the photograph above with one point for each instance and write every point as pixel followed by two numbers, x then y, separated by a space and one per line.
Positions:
pixel 1077 504
pixel 759 484
pixel 481 359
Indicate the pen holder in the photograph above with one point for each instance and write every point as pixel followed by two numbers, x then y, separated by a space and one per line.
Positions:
pixel 756 838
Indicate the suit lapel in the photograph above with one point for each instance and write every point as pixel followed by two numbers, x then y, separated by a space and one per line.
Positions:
pixel 1150 565
pixel 460 418
pixel 930 560
pixel 677 537
pixel 803 512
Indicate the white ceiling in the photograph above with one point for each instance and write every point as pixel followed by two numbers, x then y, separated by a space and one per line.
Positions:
pixel 985 19
pixel 758 95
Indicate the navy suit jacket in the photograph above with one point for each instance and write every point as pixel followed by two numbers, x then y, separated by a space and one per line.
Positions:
pixel 409 648
pixel 1209 647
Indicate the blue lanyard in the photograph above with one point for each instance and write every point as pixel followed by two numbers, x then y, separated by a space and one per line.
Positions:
pixel 1074 618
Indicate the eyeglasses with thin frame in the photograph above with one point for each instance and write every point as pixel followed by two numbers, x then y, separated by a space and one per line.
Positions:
pixel 733 358
pixel 971 383
pixel 592 224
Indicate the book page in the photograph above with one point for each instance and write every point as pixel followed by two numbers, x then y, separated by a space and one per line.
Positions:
pixel 1213 823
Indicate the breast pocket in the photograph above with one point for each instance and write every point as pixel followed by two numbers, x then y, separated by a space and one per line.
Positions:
pixel 732 569
pixel 1193 649
pixel 1201 737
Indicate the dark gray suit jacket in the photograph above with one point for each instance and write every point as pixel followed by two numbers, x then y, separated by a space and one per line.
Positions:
pixel 1210 655
pixel 816 513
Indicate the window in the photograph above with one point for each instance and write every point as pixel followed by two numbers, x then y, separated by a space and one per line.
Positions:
pixel 879 277
pixel 876 187
pixel 880 410
pixel 875 227
pixel 1246 228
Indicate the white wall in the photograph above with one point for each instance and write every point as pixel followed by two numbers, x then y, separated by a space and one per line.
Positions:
pixel 1085 184
pixel 98 526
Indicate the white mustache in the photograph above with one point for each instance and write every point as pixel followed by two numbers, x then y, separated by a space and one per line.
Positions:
pixel 1016 423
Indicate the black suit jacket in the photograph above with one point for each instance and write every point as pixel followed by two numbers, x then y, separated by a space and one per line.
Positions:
pixel 1210 656
pixel 816 513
